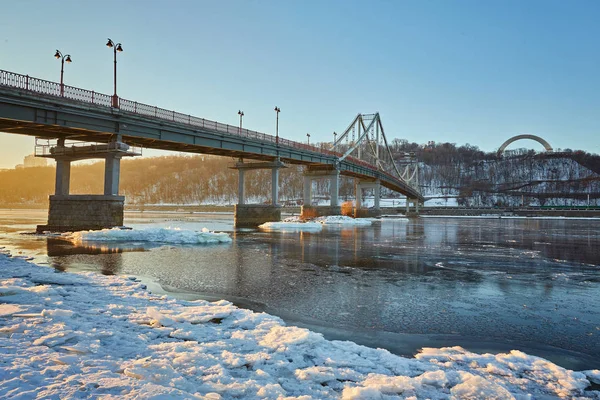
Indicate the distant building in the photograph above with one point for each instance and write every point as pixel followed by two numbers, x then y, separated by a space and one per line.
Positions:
pixel 33 161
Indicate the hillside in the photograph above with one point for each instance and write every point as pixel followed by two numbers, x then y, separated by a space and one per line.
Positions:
pixel 473 177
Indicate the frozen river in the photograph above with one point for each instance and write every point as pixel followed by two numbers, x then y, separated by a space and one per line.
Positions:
pixel 483 284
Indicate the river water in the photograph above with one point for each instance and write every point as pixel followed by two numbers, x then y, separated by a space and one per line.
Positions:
pixel 488 285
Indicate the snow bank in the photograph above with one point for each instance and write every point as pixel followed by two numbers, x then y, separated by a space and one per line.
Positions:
pixel 89 336
pixel 162 235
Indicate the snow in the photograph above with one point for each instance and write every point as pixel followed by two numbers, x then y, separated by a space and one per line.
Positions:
pixel 88 336
pixel 161 235
pixel 295 223
pixel 342 220
pixel 292 226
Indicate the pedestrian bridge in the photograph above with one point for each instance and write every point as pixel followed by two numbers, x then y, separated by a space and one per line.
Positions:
pixel 44 109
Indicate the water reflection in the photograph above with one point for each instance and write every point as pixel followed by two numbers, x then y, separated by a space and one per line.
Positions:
pixel 66 255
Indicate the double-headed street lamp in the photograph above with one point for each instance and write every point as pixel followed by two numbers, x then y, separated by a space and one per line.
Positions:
pixel 308 139
pixel 67 57
pixel 116 47
pixel 277 110
pixel 241 114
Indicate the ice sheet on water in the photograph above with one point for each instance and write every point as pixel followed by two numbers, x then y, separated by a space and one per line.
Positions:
pixel 159 235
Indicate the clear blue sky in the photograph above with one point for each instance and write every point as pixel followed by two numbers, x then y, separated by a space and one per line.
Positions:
pixel 473 72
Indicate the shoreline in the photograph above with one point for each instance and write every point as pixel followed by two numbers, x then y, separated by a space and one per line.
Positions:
pixel 195 348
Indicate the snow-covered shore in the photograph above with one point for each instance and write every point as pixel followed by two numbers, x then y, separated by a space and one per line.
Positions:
pixel 85 335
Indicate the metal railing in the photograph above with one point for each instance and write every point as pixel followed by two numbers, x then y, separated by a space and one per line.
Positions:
pixel 25 82
pixel 50 148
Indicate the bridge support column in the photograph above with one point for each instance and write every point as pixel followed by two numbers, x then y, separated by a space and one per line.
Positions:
pixel 377 195
pixel 63 177
pixel 275 186
pixel 310 211
pixel 334 189
pixel 409 212
pixel 307 189
pixel 112 173
pixel 241 187
pixel 253 215
pixel 375 211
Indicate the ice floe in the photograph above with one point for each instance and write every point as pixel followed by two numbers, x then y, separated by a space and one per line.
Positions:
pixel 159 235
pixel 89 336
pixel 342 220
pixel 295 223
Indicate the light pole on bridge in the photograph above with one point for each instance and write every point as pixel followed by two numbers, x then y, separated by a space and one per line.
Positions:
pixel 334 138
pixel 67 57
pixel 308 139
pixel 116 47
pixel 277 110
pixel 241 114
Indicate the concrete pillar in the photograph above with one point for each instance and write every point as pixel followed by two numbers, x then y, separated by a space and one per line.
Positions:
pixel 334 188
pixel 112 172
pixel 358 190
pixel 377 194
pixel 417 206
pixel 241 188
pixel 63 177
pixel 307 190
pixel 275 186
pixel 407 205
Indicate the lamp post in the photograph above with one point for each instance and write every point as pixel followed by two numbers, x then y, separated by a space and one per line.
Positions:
pixel 334 138
pixel 241 114
pixel 308 139
pixel 116 47
pixel 59 56
pixel 277 110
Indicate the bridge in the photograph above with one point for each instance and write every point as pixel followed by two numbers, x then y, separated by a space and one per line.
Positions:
pixel 521 137
pixel 67 116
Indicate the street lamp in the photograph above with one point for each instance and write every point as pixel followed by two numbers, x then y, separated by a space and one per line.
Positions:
pixel 308 139
pixel 116 47
pixel 277 110
pixel 334 138
pixel 241 114
pixel 59 56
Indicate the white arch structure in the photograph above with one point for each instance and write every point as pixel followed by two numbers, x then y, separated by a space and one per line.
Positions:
pixel 526 136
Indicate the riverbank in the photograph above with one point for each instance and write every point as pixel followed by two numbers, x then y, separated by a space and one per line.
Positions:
pixel 88 335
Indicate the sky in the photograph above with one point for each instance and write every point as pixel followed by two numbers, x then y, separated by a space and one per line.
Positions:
pixel 476 72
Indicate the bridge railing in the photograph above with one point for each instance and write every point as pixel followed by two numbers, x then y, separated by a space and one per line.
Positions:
pixel 25 82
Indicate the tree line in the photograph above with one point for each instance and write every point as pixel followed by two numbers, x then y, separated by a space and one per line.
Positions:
pixel 472 176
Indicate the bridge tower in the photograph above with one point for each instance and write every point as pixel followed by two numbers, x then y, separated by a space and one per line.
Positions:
pixel 69 212
pixel 364 143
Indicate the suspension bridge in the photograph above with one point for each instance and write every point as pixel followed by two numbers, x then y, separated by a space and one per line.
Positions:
pixel 72 124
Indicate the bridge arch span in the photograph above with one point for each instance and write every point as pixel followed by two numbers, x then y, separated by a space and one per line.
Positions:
pixel 526 136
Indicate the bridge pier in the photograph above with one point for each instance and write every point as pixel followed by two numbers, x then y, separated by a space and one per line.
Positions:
pixel 67 212
pixel 375 211
pixel 253 215
pixel 410 213
pixel 308 210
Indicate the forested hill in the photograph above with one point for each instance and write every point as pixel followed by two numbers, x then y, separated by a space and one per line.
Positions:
pixel 466 173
